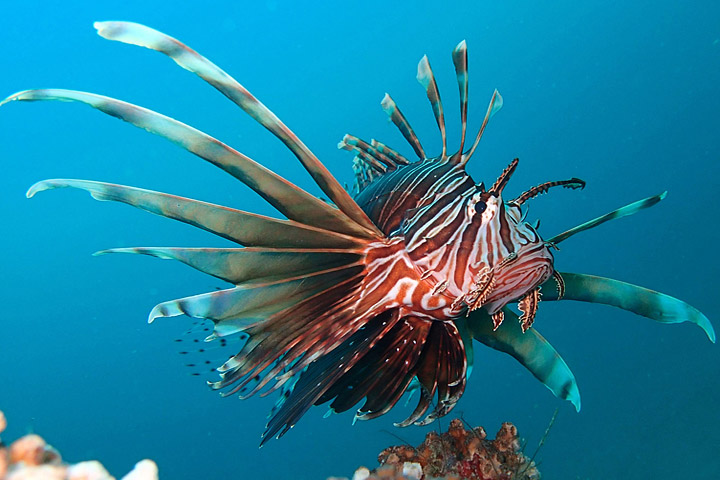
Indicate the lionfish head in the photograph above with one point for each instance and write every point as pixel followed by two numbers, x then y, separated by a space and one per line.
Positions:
pixel 509 257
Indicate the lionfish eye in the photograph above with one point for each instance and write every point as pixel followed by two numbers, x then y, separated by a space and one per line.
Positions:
pixel 480 206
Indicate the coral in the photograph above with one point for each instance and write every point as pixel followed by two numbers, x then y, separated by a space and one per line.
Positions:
pixel 31 458
pixel 456 454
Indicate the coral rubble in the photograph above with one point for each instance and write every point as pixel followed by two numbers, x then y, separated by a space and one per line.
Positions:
pixel 457 454
pixel 31 458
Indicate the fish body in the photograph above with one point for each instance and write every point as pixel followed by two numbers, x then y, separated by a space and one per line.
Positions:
pixel 449 234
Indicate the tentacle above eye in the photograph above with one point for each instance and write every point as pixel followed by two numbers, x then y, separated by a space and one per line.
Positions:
pixel 642 301
pixel 573 183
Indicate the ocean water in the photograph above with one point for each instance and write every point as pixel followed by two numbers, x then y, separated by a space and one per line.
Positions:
pixel 624 95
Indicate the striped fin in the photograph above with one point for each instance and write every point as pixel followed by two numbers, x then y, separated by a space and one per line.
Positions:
pixel 241 265
pixel 496 103
pixel 234 310
pixel 350 142
pixel 324 372
pixel 378 363
pixel 372 162
pixel 293 337
pixel 573 183
pixel 427 80
pixel 530 349
pixel 136 34
pixel 383 373
pixel 619 213
pixel 235 225
pixel 450 371
pixel 460 60
pixel 291 201
pixel 392 110
pixel 641 301
pixel 395 156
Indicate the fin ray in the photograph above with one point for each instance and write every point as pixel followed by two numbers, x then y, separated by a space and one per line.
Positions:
pixel 189 59
pixel 239 265
pixel 427 79
pixel 619 213
pixel 235 225
pixel 496 103
pixel 460 60
pixel 392 110
pixel 291 201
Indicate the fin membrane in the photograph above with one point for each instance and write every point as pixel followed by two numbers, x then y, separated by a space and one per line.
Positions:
pixel 242 265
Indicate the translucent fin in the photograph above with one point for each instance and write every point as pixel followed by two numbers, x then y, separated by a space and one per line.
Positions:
pixel 136 34
pixel 642 301
pixel 619 213
pixel 530 349
pixel 388 105
pixel 295 335
pixel 450 373
pixel 233 310
pixel 291 201
pixel 383 373
pixel 460 60
pixel 239 265
pixel 496 103
pixel 324 372
pixel 466 336
pixel 235 225
pixel 427 80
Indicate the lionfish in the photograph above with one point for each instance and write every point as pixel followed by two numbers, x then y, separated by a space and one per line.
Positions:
pixel 364 297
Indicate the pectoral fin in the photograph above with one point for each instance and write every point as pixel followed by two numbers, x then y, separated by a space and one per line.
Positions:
pixel 528 348
pixel 642 301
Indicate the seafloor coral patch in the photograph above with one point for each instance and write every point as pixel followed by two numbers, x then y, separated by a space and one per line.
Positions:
pixel 31 458
pixel 456 454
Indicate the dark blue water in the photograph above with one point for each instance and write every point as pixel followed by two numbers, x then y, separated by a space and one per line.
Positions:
pixel 622 94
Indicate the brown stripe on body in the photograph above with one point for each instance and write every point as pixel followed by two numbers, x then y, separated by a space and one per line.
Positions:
pixel 505 234
pixel 467 245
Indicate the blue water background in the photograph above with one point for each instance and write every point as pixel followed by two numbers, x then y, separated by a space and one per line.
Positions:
pixel 622 94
